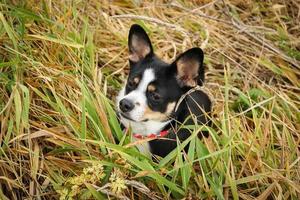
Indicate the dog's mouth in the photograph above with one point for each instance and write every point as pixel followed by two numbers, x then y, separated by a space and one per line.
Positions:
pixel 129 118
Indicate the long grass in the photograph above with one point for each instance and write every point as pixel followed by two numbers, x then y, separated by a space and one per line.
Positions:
pixel 62 63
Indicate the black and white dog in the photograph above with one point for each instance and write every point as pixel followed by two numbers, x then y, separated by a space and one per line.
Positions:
pixel 148 102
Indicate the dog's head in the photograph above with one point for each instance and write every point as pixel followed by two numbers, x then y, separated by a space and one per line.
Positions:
pixel 154 87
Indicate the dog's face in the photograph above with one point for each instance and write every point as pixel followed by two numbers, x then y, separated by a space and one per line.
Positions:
pixel 149 97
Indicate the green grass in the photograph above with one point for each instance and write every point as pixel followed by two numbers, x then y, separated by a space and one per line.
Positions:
pixel 63 62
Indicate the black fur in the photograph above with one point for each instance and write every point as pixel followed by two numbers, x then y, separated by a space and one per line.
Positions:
pixel 191 105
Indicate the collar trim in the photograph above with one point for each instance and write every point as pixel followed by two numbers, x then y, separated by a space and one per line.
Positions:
pixel 152 135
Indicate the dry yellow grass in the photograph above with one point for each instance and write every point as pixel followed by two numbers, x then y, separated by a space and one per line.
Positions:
pixel 60 60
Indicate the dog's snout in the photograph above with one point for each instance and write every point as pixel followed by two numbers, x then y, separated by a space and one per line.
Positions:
pixel 126 105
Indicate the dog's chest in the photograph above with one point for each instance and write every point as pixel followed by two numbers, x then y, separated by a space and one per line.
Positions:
pixel 144 147
pixel 145 129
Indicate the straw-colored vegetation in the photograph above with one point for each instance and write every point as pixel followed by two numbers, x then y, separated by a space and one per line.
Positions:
pixel 62 63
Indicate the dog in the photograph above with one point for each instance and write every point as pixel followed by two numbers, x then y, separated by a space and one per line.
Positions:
pixel 150 103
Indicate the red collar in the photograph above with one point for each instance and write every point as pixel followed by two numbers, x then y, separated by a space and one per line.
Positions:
pixel 152 135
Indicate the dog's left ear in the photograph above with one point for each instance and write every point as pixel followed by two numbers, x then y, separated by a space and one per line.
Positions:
pixel 139 44
pixel 189 68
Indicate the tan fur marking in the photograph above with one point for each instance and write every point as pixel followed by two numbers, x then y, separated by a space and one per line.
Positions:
pixel 151 88
pixel 158 116
pixel 187 71
pixel 170 108
pixel 136 80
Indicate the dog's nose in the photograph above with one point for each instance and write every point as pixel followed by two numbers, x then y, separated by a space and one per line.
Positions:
pixel 126 105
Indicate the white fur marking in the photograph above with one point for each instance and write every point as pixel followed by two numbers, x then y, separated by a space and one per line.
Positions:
pixel 144 147
pixel 138 96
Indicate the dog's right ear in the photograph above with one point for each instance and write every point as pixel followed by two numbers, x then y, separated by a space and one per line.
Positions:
pixel 139 44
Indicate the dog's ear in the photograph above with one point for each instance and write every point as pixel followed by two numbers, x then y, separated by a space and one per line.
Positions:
pixel 189 69
pixel 139 44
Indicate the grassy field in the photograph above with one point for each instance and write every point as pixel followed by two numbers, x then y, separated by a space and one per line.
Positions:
pixel 63 62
